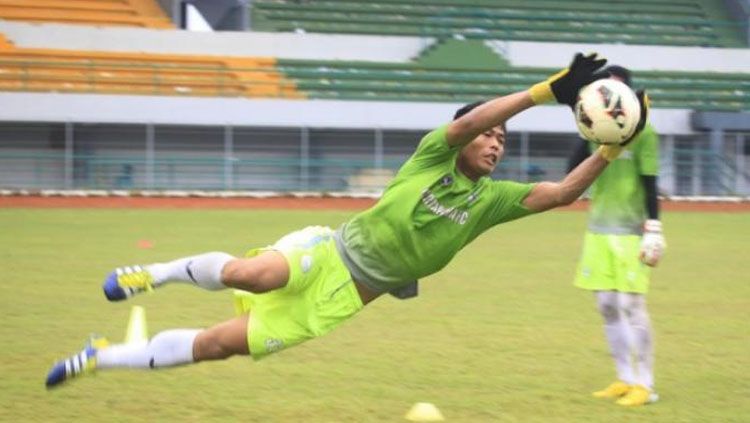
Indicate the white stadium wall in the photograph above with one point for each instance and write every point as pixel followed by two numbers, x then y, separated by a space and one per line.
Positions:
pixel 636 57
pixel 263 44
pixel 44 107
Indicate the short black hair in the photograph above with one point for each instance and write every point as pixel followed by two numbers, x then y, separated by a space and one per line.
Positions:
pixel 620 72
pixel 467 108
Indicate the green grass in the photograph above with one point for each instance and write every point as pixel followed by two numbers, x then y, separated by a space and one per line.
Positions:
pixel 500 335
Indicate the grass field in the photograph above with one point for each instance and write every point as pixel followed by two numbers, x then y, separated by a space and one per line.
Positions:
pixel 499 335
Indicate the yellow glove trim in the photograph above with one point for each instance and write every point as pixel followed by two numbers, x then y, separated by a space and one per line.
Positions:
pixel 541 92
pixel 609 152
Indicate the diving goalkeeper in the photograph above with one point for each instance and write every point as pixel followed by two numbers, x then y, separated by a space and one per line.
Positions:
pixel 312 280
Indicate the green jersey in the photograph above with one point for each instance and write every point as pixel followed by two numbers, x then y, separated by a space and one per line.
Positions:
pixel 618 198
pixel 427 213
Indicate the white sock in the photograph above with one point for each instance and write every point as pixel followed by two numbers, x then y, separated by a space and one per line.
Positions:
pixel 640 326
pixel 618 334
pixel 203 270
pixel 166 349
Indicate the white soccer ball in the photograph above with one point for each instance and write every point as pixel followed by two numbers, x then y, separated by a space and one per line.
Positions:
pixel 607 112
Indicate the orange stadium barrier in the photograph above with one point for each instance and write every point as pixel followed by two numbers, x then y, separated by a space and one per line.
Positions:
pixel 136 13
pixel 140 73
pixel 5 43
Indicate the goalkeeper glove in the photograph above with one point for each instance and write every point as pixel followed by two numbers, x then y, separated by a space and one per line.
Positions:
pixel 645 103
pixel 652 243
pixel 563 86
pixel 610 152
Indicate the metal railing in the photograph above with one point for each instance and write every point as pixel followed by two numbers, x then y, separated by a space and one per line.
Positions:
pixel 309 160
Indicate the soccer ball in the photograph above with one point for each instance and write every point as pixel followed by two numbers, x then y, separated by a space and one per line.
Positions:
pixel 607 112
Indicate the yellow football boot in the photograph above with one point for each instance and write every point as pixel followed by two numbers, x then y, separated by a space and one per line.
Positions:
pixel 614 390
pixel 125 282
pixel 638 395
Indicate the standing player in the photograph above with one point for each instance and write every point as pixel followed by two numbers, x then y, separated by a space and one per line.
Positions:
pixel 623 241
pixel 312 280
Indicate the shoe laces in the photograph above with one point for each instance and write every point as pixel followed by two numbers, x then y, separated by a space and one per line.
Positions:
pixel 97 342
pixel 134 277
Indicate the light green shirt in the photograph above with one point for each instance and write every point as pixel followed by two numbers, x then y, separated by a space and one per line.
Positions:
pixel 427 213
pixel 618 199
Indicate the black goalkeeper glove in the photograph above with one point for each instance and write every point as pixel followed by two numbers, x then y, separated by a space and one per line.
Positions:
pixel 564 85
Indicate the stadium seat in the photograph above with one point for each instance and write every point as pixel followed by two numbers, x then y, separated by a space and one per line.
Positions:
pixel 434 76
pixel 684 22
pixel 140 73
pixel 416 82
pixel 137 13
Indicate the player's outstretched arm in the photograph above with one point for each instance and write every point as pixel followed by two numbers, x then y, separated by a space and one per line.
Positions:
pixel 562 87
pixel 548 195
pixel 487 116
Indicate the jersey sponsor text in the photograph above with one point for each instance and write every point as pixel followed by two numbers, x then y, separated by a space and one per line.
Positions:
pixel 454 214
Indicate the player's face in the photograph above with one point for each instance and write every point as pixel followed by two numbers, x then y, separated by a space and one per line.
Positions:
pixel 479 157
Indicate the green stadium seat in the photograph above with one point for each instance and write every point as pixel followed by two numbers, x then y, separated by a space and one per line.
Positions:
pixel 415 82
pixel 686 22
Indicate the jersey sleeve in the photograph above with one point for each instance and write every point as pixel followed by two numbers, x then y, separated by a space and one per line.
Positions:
pixel 648 152
pixel 508 199
pixel 432 150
